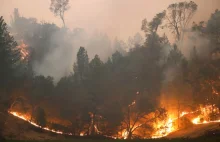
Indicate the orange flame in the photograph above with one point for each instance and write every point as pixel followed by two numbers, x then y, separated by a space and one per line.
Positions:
pixel 23 49
pixel 204 117
pixel 36 125
pixel 163 127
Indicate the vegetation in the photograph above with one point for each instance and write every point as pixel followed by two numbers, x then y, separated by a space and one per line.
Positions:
pixel 116 95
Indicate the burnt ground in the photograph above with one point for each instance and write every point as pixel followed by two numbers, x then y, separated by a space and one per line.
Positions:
pixel 210 129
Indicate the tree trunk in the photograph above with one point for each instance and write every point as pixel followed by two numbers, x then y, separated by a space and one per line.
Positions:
pixel 62 18
pixel 129 135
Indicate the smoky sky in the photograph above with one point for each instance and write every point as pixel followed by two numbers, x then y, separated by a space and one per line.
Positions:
pixel 112 18
pixel 121 18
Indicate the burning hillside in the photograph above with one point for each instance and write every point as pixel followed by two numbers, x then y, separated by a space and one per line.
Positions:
pixel 205 115
pixel 25 118
pixel 145 88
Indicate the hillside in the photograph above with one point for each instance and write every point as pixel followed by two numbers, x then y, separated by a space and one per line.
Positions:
pixel 195 131
pixel 18 129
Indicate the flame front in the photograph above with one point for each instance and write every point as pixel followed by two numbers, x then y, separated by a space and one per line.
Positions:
pixel 166 127
pixel 204 117
pixel 163 127
pixel 23 117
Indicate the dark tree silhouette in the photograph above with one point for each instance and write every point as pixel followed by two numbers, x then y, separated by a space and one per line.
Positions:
pixel 9 61
pixel 178 16
pixel 59 7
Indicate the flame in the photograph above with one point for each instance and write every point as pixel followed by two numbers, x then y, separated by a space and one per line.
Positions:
pixel 166 127
pixel 125 134
pixel 81 134
pixel 23 50
pixel 162 127
pixel 204 117
pixel 23 117
pixel 214 91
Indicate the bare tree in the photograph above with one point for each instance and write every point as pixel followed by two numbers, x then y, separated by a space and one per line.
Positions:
pixel 178 16
pixel 59 7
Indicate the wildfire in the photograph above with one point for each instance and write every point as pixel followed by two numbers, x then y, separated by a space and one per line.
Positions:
pixel 23 117
pixel 23 49
pixel 214 91
pixel 209 114
pixel 166 127
pixel 125 134
pixel 163 129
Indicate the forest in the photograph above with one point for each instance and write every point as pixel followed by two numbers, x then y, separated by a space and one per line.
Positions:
pixel 146 87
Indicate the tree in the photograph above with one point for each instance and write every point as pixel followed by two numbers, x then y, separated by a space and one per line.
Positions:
pixel 96 91
pixel 150 30
pixel 175 57
pixel 96 67
pixel 120 46
pixel 213 28
pixel 41 89
pixel 9 61
pixel 59 7
pixel 9 55
pixel 40 117
pixel 152 26
pixel 135 41
pixel 9 58
pixel 178 16
pixel 207 70
pixel 82 65
pixel 116 57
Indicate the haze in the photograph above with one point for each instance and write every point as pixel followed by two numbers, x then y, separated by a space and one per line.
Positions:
pixel 121 18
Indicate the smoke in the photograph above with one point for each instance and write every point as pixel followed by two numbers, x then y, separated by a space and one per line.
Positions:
pixel 175 90
pixel 55 49
pixel 195 39
pixel 63 47
pixel 59 60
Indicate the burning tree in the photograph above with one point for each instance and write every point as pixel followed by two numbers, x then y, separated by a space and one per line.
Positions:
pixel 138 123
pixel 23 49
